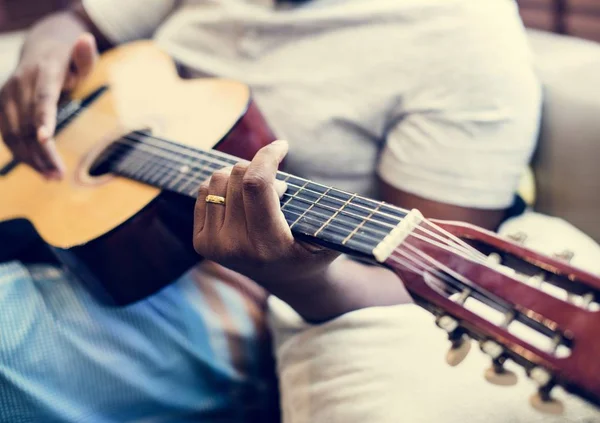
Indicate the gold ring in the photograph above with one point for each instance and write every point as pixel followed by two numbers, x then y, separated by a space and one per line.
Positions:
pixel 215 199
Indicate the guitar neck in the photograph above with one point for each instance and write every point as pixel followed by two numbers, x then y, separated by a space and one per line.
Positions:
pixel 340 220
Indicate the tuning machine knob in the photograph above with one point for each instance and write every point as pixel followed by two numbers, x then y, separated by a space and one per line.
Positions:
pixel 460 342
pixel 500 376
pixel 497 374
pixel 542 401
pixel 546 404
pixel 458 350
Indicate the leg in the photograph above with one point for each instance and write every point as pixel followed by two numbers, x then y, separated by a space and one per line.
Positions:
pixel 195 351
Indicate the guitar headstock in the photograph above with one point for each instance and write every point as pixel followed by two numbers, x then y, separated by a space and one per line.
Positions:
pixel 538 311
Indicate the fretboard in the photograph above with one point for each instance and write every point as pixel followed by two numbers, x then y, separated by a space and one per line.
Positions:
pixel 341 220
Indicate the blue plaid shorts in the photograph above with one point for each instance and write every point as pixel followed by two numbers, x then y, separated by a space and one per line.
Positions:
pixel 198 351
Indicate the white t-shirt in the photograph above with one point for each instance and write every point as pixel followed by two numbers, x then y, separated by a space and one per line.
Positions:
pixel 437 97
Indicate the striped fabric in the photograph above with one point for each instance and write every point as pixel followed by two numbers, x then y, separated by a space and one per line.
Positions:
pixel 196 351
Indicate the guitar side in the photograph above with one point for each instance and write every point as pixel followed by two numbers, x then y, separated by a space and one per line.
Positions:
pixel 119 235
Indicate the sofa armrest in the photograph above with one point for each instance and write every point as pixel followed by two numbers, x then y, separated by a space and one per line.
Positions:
pixel 567 161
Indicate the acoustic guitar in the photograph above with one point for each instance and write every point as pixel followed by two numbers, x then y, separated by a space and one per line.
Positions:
pixel 138 140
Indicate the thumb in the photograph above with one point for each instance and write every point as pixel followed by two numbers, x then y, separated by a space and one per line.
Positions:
pixel 83 59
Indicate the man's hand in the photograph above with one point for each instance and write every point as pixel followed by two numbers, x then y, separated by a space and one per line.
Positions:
pixel 58 53
pixel 250 235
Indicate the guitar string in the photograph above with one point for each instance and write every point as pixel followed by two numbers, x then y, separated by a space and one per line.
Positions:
pixel 450 277
pixel 349 227
pixel 468 249
pixel 344 228
pixel 373 211
pixel 393 257
pixel 216 158
pixel 227 159
pixel 226 162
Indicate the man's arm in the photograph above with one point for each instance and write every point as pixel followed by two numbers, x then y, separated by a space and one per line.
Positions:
pixel 58 52
pixel 488 219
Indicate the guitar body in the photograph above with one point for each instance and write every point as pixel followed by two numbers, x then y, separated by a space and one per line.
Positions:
pixel 127 238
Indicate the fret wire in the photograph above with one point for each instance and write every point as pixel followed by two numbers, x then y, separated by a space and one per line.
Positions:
pixel 366 246
pixel 178 175
pixel 193 192
pixel 334 215
pixel 313 215
pixel 310 207
pixel 223 157
pixel 159 175
pixel 368 201
pixel 183 170
pixel 294 195
pixel 355 231
pixel 396 219
pixel 178 157
pixel 134 169
pixel 185 189
pixel 298 196
pixel 145 170
pixel 342 228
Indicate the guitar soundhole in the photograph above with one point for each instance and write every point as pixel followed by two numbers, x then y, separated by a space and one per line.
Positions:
pixel 100 168
pixel 118 153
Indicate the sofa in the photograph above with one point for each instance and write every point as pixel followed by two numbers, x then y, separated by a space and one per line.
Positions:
pixel 566 177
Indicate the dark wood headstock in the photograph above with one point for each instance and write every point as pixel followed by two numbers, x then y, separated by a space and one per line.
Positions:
pixel 539 311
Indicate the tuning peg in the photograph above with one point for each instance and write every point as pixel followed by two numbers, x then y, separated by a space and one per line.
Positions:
pixel 542 401
pixel 545 404
pixel 461 343
pixel 494 259
pixel 498 375
pixel 492 349
pixel 458 351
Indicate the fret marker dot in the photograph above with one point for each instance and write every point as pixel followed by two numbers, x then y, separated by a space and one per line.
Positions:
pixel 184 169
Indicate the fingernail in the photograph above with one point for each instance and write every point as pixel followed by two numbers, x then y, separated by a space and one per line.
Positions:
pixel 281 187
pixel 52 175
pixel 55 175
pixel 43 133
pixel 278 143
pixel 55 157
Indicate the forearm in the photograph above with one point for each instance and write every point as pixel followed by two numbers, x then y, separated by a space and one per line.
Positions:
pixel 64 28
pixel 345 286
